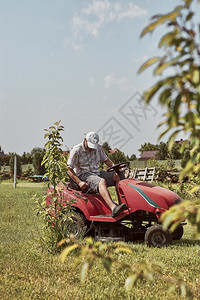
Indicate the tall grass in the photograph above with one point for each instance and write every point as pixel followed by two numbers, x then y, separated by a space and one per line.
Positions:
pixel 28 272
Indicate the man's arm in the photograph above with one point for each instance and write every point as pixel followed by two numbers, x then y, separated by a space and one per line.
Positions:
pixel 108 162
pixel 82 184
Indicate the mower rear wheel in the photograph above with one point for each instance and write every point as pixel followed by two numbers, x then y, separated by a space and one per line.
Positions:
pixel 156 236
pixel 77 227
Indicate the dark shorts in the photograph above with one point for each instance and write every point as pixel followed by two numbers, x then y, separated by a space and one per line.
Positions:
pixel 93 180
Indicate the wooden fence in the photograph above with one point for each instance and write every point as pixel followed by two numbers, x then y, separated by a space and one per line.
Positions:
pixel 146 174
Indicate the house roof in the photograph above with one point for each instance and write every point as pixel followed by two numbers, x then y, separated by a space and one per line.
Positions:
pixel 181 141
pixel 114 150
pixel 148 155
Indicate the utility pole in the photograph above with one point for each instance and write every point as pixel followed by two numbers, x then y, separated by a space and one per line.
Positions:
pixel 15 171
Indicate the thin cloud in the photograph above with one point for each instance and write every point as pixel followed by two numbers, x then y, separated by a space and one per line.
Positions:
pixel 121 83
pixel 140 59
pixel 77 47
pixel 101 12
pixel 92 81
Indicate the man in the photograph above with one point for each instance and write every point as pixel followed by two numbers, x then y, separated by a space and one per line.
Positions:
pixel 83 170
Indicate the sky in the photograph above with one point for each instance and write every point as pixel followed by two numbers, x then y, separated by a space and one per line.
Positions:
pixel 77 61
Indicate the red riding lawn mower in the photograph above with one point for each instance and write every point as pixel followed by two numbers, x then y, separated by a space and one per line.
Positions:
pixel 141 220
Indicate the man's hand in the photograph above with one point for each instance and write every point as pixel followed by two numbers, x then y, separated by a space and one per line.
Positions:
pixel 83 185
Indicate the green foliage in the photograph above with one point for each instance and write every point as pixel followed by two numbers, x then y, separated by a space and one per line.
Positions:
pixel 132 157
pixel 148 147
pixel 26 158
pixel 38 154
pixel 28 172
pixel 160 167
pixel 4 159
pixel 175 151
pixel 54 160
pixel 106 147
pixel 179 92
pixel 187 210
pixel 91 251
pixel 56 217
pixel 186 158
pixel 55 225
pixel 117 157
pixel 163 152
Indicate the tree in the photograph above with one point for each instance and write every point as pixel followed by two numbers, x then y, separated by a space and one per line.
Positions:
pixel 38 154
pixel 148 147
pixel 106 147
pixel 26 158
pixel 163 151
pixel 132 157
pixel 179 93
pixel 118 157
pixel 186 156
pixel 4 158
pixel 175 151
pixel 1 151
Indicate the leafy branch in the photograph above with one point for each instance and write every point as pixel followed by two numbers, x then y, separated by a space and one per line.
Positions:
pixel 176 214
pixel 179 92
pixel 54 160
pixel 89 252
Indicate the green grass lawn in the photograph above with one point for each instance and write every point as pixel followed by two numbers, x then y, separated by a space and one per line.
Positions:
pixel 27 272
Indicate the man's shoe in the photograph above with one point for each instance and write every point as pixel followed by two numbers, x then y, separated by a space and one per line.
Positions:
pixel 118 209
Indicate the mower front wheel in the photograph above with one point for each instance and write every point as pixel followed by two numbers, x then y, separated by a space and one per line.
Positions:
pixel 156 236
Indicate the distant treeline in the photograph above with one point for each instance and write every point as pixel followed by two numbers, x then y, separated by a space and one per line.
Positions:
pixel 33 159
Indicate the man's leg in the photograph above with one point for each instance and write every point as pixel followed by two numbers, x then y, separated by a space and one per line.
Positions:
pixel 98 184
pixel 103 191
pixel 116 181
pixel 116 209
pixel 112 179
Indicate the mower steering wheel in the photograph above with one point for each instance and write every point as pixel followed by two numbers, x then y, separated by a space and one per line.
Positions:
pixel 119 166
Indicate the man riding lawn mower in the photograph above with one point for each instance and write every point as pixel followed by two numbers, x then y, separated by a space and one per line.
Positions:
pixel 140 204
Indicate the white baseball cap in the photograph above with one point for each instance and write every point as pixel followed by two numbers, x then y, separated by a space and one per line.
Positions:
pixel 92 139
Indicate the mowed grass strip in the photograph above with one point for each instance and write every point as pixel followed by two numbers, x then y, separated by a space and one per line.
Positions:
pixel 28 272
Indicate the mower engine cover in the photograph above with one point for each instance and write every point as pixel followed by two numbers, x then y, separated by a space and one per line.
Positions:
pixel 140 195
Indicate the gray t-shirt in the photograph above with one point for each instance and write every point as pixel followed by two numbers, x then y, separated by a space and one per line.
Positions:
pixel 83 161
